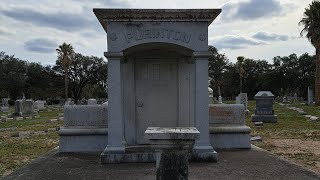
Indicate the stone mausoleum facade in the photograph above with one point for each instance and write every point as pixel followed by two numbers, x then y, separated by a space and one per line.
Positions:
pixel 157 77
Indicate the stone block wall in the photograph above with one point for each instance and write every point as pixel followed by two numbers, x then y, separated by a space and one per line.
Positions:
pixel 86 116
pixel 227 126
pixel 84 129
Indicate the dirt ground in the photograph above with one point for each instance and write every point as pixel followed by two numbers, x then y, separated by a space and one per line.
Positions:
pixel 303 152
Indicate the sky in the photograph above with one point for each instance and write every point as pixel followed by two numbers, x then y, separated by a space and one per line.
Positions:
pixel 259 29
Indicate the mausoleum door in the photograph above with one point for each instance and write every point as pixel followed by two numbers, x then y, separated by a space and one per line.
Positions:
pixel 156 95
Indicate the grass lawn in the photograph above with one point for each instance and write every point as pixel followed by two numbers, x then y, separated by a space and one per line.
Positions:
pixel 17 151
pixel 293 137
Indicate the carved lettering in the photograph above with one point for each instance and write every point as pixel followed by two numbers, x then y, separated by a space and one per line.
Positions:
pixel 140 34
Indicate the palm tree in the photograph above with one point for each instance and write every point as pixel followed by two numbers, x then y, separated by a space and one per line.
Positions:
pixel 311 28
pixel 240 60
pixel 65 56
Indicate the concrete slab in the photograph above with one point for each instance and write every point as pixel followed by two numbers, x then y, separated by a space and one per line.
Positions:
pixel 245 164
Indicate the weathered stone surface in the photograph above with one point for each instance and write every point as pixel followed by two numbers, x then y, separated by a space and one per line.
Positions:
pixel 39 104
pixel 27 117
pixel 220 100
pixel 227 127
pixel 167 93
pixel 302 112
pixel 92 101
pixel 256 138
pixel 226 114
pixel 8 129
pixel 4 118
pixel 52 129
pixel 178 133
pixel 314 118
pixel 173 165
pixel 19 118
pixel 52 120
pixel 310 95
pixel 85 128
pixel 258 123
pixel 27 107
pixel 242 98
pixel 86 116
pixel 173 144
pixel 5 105
pixel 264 118
pixel 264 107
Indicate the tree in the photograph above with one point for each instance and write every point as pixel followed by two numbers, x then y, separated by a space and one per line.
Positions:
pixel 241 71
pixel 311 28
pixel 84 71
pixel 65 56
pixel 13 74
pixel 217 66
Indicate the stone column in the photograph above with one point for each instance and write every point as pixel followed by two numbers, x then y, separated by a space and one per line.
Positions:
pixel 202 148
pixel 115 119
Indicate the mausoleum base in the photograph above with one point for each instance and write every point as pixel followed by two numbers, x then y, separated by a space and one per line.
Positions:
pixel 209 156
pixel 83 140
pixel 132 154
pixel 264 118
pixel 144 154
pixel 237 137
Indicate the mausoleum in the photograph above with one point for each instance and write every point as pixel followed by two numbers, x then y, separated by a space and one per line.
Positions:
pixel 157 77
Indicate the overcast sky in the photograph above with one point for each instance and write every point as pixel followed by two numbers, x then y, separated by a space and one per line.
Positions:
pixel 259 29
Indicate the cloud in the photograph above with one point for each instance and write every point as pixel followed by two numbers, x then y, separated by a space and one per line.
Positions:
pixel 263 36
pixel 59 20
pixel 4 31
pixel 251 10
pixel 40 45
pixel 108 3
pixel 234 42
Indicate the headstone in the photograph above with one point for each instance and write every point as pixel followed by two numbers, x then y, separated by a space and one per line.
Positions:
pixel 264 108
pixel 27 107
pixel 18 108
pixel 295 98
pixel 210 95
pixel 258 123
pixel 69 102
pixel 284 99
pixel 238 100
pixel 256 138
pixel 310 95
pixel 242 98
pixel 5 105
pixel 220 100
pixel 92 101
pixel 314 118
pixel 39 104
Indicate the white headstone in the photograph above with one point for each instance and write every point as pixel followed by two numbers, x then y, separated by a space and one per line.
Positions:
pixel 295 98
pixel 92 101
pixel 310 95
pixel 39 104
pixel 220 100
pixel 5 105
